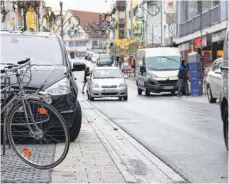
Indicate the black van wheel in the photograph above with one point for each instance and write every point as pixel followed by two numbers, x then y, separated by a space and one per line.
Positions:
pixel 76 126
pixel 225 125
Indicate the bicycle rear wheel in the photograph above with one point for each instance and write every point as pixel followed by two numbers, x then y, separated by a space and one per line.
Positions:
pixel 49 145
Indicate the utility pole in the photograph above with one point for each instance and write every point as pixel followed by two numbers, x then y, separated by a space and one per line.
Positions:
pixel 62 21
pixel 162 23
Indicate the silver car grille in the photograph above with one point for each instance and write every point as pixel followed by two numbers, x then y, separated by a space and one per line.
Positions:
pixel 111 86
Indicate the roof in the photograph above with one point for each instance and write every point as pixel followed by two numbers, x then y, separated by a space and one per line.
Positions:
pixel 86 17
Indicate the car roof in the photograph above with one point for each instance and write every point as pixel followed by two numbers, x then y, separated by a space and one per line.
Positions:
pixel 105 68
pixel 46 34
pixel 161 51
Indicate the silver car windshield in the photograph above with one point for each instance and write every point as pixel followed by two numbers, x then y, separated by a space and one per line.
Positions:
pixel 107 73
pixel 41 50
pixel 163 63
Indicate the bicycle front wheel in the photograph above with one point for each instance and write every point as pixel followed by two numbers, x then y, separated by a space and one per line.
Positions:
pixel 42 141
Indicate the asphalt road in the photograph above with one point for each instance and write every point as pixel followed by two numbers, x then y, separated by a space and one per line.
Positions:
pixel 186 134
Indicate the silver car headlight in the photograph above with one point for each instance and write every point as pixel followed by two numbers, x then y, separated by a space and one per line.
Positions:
pixel 123 85
pixel 94 85
pixel 62 87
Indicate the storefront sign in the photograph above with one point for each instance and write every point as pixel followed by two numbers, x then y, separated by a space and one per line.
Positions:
pixel 219 36
pixel 197 42
pixel 184 46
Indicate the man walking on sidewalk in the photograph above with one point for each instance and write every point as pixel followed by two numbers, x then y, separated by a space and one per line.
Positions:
pixel 86 74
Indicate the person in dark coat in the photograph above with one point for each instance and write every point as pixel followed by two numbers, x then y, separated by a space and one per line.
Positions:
pixel 86 74
pixel 182 75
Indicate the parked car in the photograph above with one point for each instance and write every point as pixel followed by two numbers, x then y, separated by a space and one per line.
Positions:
pixel 214 81
pixel 107 82
pixel 104 60
pixel 157 70
pixel 224 92
pixel 53 72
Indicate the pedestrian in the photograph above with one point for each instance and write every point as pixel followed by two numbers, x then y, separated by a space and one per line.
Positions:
pixel 120 62
pixel 86 74
pixel 182 75
pixel 187 81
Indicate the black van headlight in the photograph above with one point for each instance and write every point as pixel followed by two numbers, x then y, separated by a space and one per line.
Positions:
pixel 62 87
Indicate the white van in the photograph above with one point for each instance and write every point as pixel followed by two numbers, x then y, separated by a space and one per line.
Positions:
pixel 157 70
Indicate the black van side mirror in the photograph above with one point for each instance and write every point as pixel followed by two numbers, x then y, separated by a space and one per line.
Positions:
pixel 78 66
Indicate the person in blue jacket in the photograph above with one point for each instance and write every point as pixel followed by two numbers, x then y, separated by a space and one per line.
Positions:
pixel 182 75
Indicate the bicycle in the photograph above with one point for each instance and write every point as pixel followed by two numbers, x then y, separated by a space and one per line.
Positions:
pixel 36 131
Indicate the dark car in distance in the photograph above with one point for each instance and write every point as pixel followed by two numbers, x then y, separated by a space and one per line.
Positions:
pixel 104 60
pixel 52 73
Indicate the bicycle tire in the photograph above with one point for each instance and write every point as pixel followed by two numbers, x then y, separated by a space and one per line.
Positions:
pixel 19 152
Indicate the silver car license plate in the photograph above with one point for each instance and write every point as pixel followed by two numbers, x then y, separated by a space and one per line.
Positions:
pixel 108 90
pixel 168 87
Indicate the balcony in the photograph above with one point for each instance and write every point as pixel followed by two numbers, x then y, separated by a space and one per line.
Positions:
pixel 209 18
pixel 121 5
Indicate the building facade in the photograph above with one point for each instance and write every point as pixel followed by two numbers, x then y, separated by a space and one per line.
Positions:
pixel 83 31
pixel 202 24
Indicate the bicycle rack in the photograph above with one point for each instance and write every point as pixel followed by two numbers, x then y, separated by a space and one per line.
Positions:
pixel 6 93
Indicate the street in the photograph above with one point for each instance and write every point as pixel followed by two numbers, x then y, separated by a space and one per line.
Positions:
pixel 186 134
pixel 114 91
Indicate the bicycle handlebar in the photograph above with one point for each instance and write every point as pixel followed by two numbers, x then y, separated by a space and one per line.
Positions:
pixel 13 67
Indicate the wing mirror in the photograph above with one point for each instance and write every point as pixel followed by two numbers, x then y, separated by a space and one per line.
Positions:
pixel 78 66
pixel 218 71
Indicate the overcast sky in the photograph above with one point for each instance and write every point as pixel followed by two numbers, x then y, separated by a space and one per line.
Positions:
pixel 85 5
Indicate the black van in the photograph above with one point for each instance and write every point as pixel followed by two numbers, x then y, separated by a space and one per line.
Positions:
pixel 53 72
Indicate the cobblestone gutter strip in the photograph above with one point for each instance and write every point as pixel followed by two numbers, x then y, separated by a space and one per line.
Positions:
pixel 13 170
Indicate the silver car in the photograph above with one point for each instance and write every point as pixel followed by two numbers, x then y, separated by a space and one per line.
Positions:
pixel 107 82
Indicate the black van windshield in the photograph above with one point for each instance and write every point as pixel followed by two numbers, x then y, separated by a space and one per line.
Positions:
pixel 163 63
pixel 42 50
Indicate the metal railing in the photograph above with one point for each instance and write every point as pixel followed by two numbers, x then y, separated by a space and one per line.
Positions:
pixel 209 18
